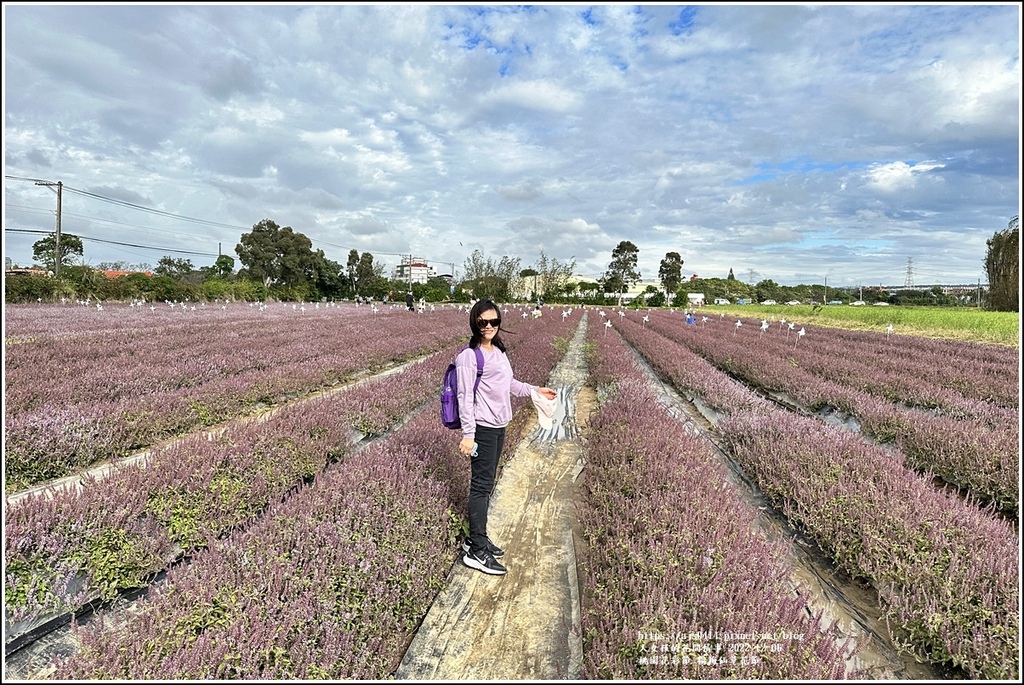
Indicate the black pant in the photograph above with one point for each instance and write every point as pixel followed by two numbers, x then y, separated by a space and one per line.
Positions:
pixel 485 468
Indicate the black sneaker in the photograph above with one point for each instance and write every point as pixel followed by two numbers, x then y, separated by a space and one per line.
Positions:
pixel 496 552
pixel 484 561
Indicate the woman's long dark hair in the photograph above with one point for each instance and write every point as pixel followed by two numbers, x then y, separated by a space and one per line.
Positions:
pixel 479 308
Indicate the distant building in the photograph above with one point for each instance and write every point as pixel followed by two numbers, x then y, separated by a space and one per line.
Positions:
pixel 413 270
pixel 695 299
pixel 634 290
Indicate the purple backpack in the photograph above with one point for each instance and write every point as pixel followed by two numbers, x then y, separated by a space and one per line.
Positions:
pixel 450 392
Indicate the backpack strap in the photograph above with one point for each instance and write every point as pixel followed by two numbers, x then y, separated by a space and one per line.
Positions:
pixel 479 368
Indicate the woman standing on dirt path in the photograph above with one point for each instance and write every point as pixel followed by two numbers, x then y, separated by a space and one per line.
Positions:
pixel 484 416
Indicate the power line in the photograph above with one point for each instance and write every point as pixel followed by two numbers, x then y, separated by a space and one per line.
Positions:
pixel 187 218
pixel 158 212
pixel 191 219
pixel 132 205
pixel 98 220
pixel 114 242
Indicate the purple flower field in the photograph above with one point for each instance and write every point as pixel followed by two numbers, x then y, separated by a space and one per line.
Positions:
pixel 946 567
pixel 950 408
pixel 84 386
pixel 680 585
pixel 273 534
pixel 301 509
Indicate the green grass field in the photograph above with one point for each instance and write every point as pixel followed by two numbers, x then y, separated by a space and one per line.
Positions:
pixel 960 323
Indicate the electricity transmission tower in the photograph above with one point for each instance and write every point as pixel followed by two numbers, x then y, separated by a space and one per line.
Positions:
pixel 908 282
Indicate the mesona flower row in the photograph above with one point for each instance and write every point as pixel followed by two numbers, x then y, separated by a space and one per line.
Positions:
pixel 969 442
pixel 673 551
pixel 302 587
pixel 76 399
pixel 946 570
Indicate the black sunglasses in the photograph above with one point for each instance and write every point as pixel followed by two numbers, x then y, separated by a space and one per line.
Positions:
pixel 493 323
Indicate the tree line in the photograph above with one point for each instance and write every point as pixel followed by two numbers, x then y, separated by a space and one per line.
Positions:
pixel 279 263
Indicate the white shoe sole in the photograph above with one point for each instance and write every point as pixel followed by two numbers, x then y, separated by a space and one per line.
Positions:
pixel 473 563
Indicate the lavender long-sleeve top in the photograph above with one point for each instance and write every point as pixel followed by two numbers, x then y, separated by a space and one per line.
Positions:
pixel 493 403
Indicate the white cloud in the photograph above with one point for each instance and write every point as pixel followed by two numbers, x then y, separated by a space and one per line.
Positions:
pixel 790 140
pixel 538 95
pixel 898 176
pixel 265 113
pixel 333 138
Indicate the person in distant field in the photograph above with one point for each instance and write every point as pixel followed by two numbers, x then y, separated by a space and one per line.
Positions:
pixel 408 300
pixel 484 417
pixel 690 320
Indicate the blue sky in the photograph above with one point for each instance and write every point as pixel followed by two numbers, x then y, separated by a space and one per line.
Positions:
pixel 800 143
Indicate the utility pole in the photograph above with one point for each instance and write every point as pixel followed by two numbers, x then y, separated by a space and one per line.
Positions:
pixel 824 300
pixel 56 241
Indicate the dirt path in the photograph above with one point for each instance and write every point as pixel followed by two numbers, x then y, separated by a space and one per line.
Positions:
pixel 524 625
